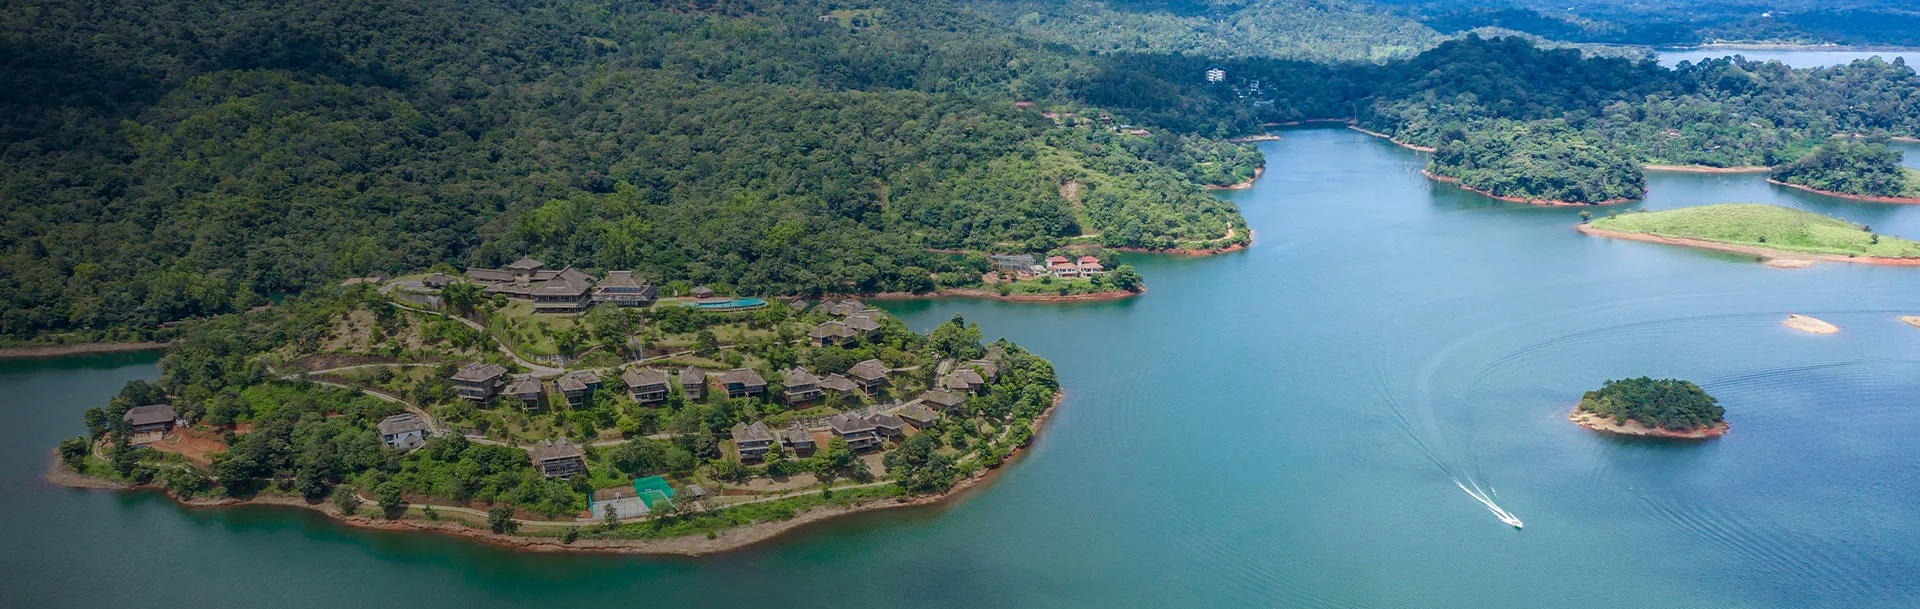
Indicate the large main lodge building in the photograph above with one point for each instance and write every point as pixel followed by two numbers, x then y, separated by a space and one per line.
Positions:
pixel 563 291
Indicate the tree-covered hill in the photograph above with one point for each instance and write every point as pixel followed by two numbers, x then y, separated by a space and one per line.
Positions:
pixel 1321 30
pixel 1665 403
pixel 1854 167
pixel 182 158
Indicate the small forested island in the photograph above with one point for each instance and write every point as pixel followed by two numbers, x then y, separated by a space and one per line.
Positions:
pixel 1542 163
pixel 1854 169
pixel 549 415
pixel 1761 230
pixel 1668 408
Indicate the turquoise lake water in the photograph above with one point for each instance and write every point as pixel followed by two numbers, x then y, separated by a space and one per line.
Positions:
pixel 1281 427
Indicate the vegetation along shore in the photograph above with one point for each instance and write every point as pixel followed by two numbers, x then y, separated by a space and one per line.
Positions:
pixel 38 351
pixel 1760 230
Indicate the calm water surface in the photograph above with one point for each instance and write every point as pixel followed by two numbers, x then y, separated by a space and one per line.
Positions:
pixel 1792 57
pixel 1283 427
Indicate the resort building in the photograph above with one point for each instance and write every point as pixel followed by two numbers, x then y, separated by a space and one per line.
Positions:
pixel 797 439
pixel 987 368
pixel 693 381
pixel 942 400
pixel 919 415
pixel 566 292
pixel 437 280
pixel 869 374
pixel 404 431
pixel 862 325
pixel 799 386
pixel 701 291
pixel 578 385
pixel 150 418
pixel 743 382
pixel 1061 267
pixel 843 308
pixel 621 289
pixel 528 390
pixel 829 334
pixel 858 432
pixel 888 426
pixel 1090 266
pixel 558 459
pixel 647 385
pixel 753 441
pixel 478 382
pixel 1216 74
pixel 963 380
pixel 838 385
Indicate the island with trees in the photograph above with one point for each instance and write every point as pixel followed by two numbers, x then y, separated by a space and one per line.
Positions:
pixel 1761 230
pixel 1851 168
pixel 671 427
pixel 1665 408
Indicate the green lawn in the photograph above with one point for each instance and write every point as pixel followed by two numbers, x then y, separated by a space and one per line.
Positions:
pixel 1763 226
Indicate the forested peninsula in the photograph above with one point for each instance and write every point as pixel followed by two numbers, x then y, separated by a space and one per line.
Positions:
pixel 670 428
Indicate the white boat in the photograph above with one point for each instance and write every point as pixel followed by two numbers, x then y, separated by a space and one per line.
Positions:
pixel 1509 519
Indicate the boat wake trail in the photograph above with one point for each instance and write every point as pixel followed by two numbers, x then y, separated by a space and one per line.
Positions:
pixel 1487 500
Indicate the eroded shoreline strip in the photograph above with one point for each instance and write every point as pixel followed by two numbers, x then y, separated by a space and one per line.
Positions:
pixel 1744 249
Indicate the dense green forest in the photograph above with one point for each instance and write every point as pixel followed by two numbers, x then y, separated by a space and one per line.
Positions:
pixel 1666 403
pixel 1538 161
pixel 1851 166
pixel 181 159
pixel 1324 30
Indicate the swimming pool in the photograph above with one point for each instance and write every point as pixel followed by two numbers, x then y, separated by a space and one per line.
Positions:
pixel 729 304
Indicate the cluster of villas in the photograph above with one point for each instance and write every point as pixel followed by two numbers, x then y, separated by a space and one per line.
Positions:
pixel 863 428
pixel 567 290
pixel 856 323
pixel 1024 266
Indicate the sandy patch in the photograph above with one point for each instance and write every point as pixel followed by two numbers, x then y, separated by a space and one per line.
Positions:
pixel 1809 325
pixel 76 349
pixel 1911 320
pixel 1549 203
pixel 1242 185
pixel 1634 428
pixel 1788 263
pixel 1871 199
pixel 1703 169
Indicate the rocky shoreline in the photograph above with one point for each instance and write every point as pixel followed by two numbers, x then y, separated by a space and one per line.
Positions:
pixel 1744 249
pixel 38 351
pixel 1242 185
pixel 691 545
pixel 1702 169
pixel 1842 195
pixel 1634 428
pixel 986 294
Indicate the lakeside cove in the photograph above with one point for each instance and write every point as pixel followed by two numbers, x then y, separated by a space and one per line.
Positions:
pixel 1383 335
